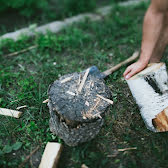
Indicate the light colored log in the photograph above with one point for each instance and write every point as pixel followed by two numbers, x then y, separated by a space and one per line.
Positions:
pixel 51 155
pixel 9 112
pixel 150 90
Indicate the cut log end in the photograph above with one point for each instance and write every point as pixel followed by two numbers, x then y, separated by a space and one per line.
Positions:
pixel 150 68
pixel 161 121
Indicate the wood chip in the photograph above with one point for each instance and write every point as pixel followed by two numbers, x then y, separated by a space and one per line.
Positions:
pixel 51 155
pixel 11 113
pixel 83 80
pixel 20 107
pixel 126 149
pixel 84 166
pixel 71 93
pixel 87 103
pixel 105 99
pixel 79 81
pixel 66 79
pixel 46 101
pixel 89 114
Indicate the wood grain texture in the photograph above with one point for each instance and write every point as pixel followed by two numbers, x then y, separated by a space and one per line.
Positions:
pixel 51 155
pixel 161 121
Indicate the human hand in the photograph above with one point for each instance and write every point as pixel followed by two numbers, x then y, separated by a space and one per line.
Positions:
pixel 134 68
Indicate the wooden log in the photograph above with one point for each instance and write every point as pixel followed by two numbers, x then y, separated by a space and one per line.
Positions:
pixel 9 112
pixel 51 155
pixel 150 90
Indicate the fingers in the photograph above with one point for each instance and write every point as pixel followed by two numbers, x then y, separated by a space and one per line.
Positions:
pixel 127 71
pixel 130 74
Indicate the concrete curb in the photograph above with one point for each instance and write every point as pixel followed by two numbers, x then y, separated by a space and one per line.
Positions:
pixel 57 26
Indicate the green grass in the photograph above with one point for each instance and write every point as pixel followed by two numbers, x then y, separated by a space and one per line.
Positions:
pixel 24 80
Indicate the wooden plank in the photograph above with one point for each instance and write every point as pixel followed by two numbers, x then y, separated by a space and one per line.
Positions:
pixel 9 112
pixel 51 155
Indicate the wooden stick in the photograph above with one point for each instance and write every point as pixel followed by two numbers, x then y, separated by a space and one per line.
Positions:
pixel 20 107
pixel 28 157
pixel 46 101
pixel 132 58
pixel 66 79
pixel 9 112
pixel 105 99
pixel 21 51
pixel 83 80
pixel 51 155
pixel 126 149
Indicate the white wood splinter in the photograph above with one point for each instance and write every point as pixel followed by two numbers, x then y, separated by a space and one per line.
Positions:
pixel 11 113
pixel 51 155
pixel 150 90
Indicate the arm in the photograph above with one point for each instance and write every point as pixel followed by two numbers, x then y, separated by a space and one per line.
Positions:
pixel 152 28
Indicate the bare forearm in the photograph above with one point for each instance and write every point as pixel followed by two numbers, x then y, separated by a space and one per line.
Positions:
pixel 152 27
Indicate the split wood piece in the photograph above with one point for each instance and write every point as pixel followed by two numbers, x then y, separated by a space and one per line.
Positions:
pixel 66 79
pixel 84 166
pixel 21 51
pixel 46 101
pixel 105 99
pixel 28 157
pixel 161 121
pixel 126 149
pixel 20 107
pixel 150 90
pixel 88 114
pixel 11 113
pixel 51 155
pixel 83 80
pixel 113 69
pixel 71 93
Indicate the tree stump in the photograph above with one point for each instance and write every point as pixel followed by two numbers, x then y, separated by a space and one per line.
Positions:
pixel 150 90
pixel 77 116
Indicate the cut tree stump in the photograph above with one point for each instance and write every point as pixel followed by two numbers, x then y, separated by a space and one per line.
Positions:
pixel 51 155
pixel 77 112
pixel 150 90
